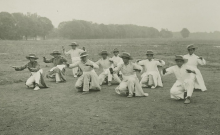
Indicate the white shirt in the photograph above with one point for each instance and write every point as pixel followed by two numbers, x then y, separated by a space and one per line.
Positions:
pixel 116 60
pixel 105 64
pixel 74 53
pixel 193 60
pixel 127 70
pixel 84 66
pixel 151 65
pixel 180 72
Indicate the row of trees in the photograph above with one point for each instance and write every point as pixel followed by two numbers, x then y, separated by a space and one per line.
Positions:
pixel 78 29
pixel 17 26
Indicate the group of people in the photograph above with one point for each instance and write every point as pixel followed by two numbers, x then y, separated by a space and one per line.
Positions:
pixel 121 69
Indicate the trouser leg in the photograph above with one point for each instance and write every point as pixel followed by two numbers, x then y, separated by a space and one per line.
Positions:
pixel 86 81
pixel 75 70
pixel 150 80
pixel 30 81
pixel 116 78
pixel 177 91
pixel 101 78
pixel 57 76
pixel 131 82
pixel 79 83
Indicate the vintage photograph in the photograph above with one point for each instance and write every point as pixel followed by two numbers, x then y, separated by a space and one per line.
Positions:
pixel 110 67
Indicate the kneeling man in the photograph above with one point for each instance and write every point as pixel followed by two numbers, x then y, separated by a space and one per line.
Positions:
pixel 36 79
pixel 89 79
pixel 130 83
pixel 186 77
pixel 151 77
pixel 106 63
pixel 58 71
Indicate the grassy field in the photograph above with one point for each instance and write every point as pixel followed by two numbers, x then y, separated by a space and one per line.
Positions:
pixel 60 110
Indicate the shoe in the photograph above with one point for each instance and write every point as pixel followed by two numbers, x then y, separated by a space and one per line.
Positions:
pixel 85 92
pixel 153 87
pixel 109 83
pixel 187 101
pixel 75 76
pixel 36 88
pixel 130 96
pixel 117 91
pixel 57 82
pixel 144 86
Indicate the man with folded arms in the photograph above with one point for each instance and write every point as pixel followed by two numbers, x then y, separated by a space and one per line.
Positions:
pixel 130 84
pixel 89 79
pixel 194 61
pixel 151 77
pixel 186 77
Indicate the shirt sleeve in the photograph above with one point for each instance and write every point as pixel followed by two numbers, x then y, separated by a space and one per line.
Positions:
pixel 48 61
pixel 21 67
pixel 201 62
pixel 95 66
pixel 76 64
pixel 98 63
pixel 141 63
pixel 162 63
pixel 67 52
pixel 136 66
pixel 169 70
pixel 118 68
pixel 64 60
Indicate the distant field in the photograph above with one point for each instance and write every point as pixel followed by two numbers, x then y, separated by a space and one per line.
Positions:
pixel 61 110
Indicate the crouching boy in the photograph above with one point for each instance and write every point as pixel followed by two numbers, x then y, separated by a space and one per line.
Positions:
pixel 36 79
pixel 89 79
pixel 186 77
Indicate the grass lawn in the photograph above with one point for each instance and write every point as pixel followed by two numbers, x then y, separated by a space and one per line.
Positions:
pixel 60 110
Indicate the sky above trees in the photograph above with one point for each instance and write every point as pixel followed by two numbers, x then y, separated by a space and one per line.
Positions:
pixel 196 15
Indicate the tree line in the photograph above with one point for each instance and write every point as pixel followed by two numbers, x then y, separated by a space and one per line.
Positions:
pixel 17 26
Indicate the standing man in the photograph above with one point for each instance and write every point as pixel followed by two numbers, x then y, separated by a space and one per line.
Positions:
pixel 36 79
pixel 58 71
pixel 194 60
pixel 89 79
pixel 186 77
pixel 151 77
pixel 130 83
pixel 106 65
pixel 74 52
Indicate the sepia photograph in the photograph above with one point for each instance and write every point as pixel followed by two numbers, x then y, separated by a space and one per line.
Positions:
pixel 110 67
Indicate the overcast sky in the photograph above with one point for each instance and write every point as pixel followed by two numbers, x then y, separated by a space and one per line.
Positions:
pixel 196 15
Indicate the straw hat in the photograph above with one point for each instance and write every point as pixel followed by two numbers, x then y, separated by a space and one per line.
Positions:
pixel 150 52
pixel 126 55
pixel 180 57
pixel 55 52
pixel 83 54
pixel 115 50
pixel 103 52
pixel 32 56
pixel 191 46
pixel 74 44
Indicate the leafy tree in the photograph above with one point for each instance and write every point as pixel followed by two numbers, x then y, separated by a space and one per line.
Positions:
pixel 164 33
pixel 185 32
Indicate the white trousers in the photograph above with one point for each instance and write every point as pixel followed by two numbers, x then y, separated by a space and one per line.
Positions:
pixel 75 70
pixel 34 78
pixel 178 89
pixel 127 85
pixel 106 73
